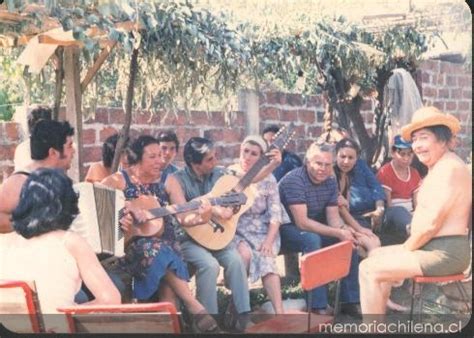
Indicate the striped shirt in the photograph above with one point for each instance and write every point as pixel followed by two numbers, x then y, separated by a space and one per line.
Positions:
pixel 297 188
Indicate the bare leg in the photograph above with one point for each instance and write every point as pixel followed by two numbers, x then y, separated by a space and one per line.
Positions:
pixel 181 289
pixel 376 273
pixel 271 283
pixel 166 294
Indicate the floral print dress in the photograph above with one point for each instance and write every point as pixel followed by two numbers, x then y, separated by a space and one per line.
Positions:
pixel 252 227
pixel 147 258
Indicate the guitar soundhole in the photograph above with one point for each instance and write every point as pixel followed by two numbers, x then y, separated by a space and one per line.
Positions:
pixel 216 226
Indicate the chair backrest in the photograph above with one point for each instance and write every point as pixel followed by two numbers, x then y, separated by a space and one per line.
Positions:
pixel 325 265
pixel 19 307
pixel 124 318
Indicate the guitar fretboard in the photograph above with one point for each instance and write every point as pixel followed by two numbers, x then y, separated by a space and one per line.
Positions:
pixel 245 181
pixel 185 207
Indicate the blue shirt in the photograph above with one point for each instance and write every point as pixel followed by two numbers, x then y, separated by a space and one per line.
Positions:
pixel 289 162
pixel 171 168
pixel 297 188
pixel 365 189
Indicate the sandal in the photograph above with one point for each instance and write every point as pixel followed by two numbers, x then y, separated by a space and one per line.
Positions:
pixel 230 315
pixel 203 322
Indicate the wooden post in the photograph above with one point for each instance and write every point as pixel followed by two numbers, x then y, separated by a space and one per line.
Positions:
pixel 249 103
pixel 72 81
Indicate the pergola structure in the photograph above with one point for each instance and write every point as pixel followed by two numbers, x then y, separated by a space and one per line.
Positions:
pixel 41 45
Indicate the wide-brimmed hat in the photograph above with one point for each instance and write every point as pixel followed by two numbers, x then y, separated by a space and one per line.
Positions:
pixel 427 117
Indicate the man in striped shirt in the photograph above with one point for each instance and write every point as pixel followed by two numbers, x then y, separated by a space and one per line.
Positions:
pixel 309 195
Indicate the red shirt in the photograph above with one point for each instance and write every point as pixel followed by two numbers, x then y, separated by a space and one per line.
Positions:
pixel 401 190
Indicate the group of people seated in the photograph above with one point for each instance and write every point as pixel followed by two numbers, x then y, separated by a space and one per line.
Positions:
pixel 296 206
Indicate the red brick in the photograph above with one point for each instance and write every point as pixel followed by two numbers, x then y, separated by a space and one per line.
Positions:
pixel 444 93
pixel 294 99
pixel 12 132
pixel 269 113
pixel 439 105
pixel 306 116
pixel 185 133
pixel 467 94
pixel 446 67
pixel 224 135
pixel 464 106
pixel 440 80
pixel 432 65
pixel 314 101
pixel 88 136
pixel 456 93
pixel 101 116
pixel 313 132
pixel 91 154
pixel 302 146
pixel 272 98
pixel 429 92
pixel 238 119
pixel 199 118
pixel 464 81
pixel 7 151
pixel 425 78
pixel 450 106
pixel 117 115
pixel 451 80
pixel 217 118
pixel 106 132
pixel 231 152
pixel 141 117
pixel 288 115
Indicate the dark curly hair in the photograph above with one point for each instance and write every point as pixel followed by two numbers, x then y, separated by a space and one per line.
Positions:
pixel 136 149
pixel 48 202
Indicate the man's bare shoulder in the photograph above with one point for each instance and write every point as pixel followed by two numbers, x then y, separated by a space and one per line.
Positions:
pixel 451 164
pixel 13 183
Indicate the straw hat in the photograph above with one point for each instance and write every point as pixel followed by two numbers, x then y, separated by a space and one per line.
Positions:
pixel 427 117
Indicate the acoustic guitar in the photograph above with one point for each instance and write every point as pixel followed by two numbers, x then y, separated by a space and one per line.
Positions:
pixel 218 233
pixel 153 225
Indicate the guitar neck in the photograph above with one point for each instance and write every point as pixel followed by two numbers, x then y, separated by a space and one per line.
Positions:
pixel 245 181
pixel 180 208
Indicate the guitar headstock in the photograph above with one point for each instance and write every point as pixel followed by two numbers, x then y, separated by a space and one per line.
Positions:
pixel 283 137
pixel 233 199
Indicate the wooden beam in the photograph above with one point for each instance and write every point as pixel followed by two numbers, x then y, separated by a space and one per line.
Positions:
pixel 72 73
pixel 46 39
pixel 97 64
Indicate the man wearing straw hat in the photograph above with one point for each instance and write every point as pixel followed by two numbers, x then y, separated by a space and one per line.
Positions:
pixel 438 243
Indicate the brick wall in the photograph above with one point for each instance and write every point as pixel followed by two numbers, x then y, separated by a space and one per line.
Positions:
pixel 445 85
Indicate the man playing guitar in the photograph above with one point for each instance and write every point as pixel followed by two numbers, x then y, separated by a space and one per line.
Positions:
pixel 197 178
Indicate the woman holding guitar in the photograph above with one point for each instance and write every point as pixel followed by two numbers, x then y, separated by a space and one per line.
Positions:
pixel 257 237
pixel 152 254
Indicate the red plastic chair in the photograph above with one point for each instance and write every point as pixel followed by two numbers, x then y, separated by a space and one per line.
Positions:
pixel 421 280
pixel 317 268
pixel 159 317
pixel 19 300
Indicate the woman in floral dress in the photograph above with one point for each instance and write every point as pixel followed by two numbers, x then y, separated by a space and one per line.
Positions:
pixel 257 238
pixel 152 255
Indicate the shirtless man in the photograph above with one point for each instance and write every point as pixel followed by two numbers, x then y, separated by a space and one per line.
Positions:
pixel 438 244
pixel 51 147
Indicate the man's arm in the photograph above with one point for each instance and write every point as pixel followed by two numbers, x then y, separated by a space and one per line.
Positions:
pixel 299 212
pixel 9 198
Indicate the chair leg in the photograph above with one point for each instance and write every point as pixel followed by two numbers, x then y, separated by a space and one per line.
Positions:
pixel 309 308
pixel 336 301
pixel 420 306
pixel 464 294
pixel 412 299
